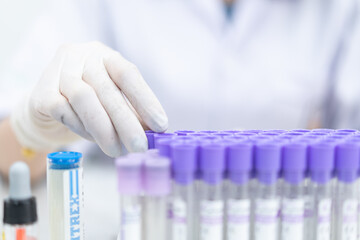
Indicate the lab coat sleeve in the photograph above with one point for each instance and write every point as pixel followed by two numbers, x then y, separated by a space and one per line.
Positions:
pixel 344 101
pixel 63 21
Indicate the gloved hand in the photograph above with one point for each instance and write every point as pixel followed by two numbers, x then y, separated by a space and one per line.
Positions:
pixel 93 91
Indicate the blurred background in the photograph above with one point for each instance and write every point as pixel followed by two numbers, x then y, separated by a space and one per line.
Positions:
pixel 15 19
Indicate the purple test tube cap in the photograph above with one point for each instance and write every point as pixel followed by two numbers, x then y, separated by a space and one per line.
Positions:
pixel 150 138
pixel 184 162
pixel 347 156
pixel 157 177
pixel 267 162
pixel 163 145
pixel 212 162
pixel 321 161
pixel 129 175
pixel 239 162
pixel 158 136
pixel 294 162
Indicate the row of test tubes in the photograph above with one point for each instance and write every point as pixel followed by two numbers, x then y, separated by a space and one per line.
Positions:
pixel 258 185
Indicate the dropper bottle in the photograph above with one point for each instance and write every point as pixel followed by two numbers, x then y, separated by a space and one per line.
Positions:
pixel 20 215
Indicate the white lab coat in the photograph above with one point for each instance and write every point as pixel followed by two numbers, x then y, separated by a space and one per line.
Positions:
pixel 274 65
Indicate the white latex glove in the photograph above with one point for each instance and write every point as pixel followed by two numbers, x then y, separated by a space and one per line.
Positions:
pixel 83 89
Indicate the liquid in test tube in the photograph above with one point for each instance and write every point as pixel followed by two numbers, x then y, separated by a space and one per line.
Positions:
pixel 294 162
pixel 319 205
pixel 129 171
pixel 239 164
pixel 211 198
pixel 157 187
pixel 346 191
pixel 184 157
pixel 267 196
pixel 65 195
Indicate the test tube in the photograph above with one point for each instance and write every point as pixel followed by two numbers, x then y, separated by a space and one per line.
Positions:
pixel 346 193
pixel 65 195
pixel 157 187
pixel 129 172
pixel 211 197
pixel 294 157
pixel 267 196
pixel 319 205
pixel 184 157
pixel 20 216
pixel 238 201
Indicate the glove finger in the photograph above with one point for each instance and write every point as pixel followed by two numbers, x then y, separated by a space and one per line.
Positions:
pixel 87 106
pixel 124 120
pixel 127 77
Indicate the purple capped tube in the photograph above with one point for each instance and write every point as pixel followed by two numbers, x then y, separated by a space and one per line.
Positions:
pixel 267 196
pixel 184 164
pixel 347 156
pixel 211 197
pixel 239 165
pixel 129 172
pixel 157 187
pixel 321 165
pixel 293 163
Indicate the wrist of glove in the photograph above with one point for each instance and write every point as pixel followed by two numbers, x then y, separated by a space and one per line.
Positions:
pixel 38 132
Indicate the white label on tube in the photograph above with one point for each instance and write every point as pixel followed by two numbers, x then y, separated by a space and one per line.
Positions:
pixel 266 219
pixel 179 220
pixel 349 222
pixel 293 219
pixel 238 219
pixel 131 223
pixel 73 204
pixel 212 216
pixel 323 229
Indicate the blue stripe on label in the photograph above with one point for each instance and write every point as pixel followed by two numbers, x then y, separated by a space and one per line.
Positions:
pixel 77 182
pixel 75 225
pixel 71 183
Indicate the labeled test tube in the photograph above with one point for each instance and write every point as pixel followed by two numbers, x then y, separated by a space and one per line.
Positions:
pixel 129 172
pixel 319 193
pixel 184 160
pixel 346 192
pixel 211 197
pixel 65 195
pixel 267 195
pixel 294 157
pixel 157 186
pixel 20 214
pixel 239 164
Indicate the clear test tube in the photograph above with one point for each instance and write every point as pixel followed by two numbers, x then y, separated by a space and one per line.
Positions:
pixel 346 191
pixel 239 165
pixel 184 160
pixel 211 196
pixel 319 206
pixel 157 186
pixel 267 194
pixel 129 173
pixel 293 162
pixel 65 195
